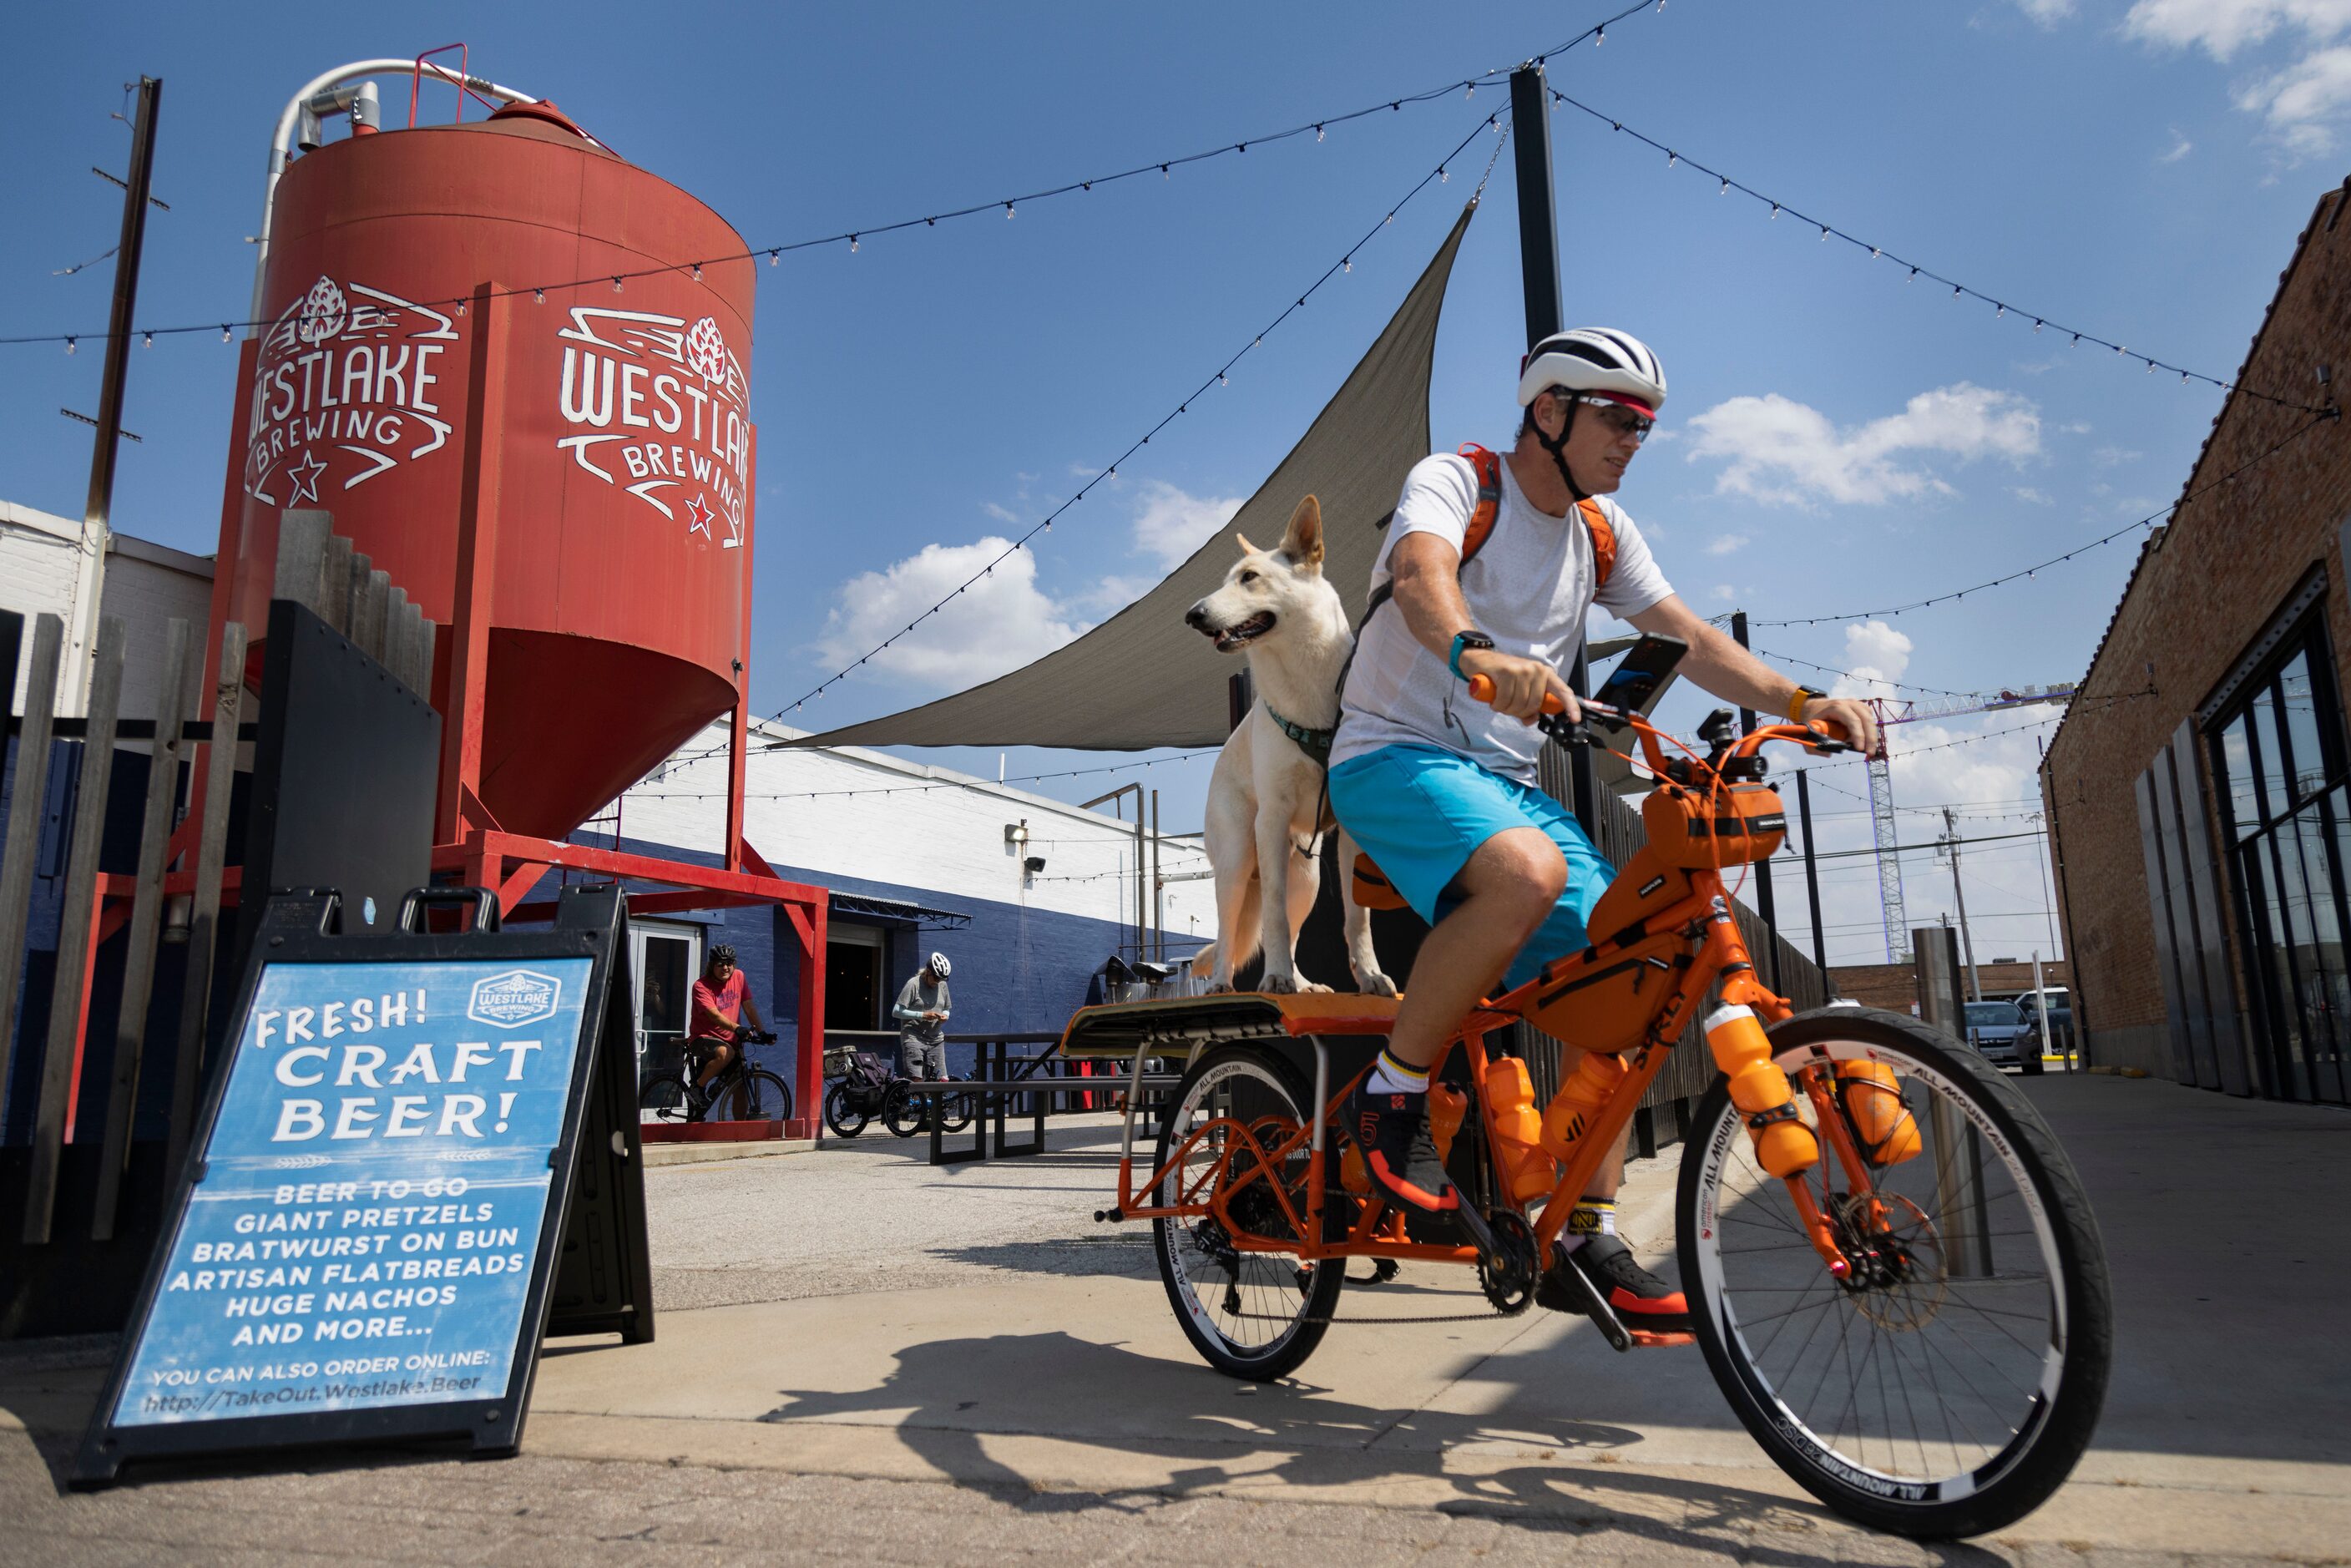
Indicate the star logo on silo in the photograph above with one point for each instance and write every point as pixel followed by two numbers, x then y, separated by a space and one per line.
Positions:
pixel 698 515
pixel 305 476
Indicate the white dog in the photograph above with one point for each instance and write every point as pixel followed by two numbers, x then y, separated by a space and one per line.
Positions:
pixel 1268 809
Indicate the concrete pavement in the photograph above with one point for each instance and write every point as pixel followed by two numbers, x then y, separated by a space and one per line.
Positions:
pixel 860 1357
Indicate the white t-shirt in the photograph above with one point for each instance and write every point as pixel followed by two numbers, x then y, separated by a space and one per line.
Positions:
pixel 1529 589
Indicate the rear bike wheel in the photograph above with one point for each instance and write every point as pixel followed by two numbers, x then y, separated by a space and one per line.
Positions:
pixel 757 1095
pixel 956 1112
pixel 1254 1315
pixel 1949 1384
pixel 844 1119
pixel 664 1099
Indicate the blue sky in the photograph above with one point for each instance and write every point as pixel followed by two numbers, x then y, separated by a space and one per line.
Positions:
pixel 1837 438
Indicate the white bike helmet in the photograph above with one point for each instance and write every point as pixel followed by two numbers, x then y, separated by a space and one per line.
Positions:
pixel 940 966
pixel 1594 359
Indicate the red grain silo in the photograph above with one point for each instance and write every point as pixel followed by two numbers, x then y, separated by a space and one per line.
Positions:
pixel 622 425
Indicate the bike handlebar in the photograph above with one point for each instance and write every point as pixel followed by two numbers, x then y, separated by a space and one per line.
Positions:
pixel 1554 722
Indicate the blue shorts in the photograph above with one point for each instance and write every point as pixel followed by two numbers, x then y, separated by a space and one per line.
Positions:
pixel 1420 812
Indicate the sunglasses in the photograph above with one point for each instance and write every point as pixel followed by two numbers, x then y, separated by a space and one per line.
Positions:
pixel 1622 420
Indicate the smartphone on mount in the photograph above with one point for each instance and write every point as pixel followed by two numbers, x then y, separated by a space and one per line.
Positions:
pixel 1635 681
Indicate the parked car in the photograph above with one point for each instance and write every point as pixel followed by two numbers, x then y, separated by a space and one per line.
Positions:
pixel 1998 1031
pixel 2061 1016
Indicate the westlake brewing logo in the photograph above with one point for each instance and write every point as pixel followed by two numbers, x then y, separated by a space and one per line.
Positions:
pixel 657 407
pixel 347 387
pixel 514 998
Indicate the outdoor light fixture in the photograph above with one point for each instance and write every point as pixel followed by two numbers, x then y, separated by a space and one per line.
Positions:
pixel 1017 833
pixel 1033 865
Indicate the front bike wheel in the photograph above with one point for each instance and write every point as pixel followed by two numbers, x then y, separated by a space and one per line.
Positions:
pixel 1948 1385
pixel 757 1095
pixel 956 1112
pixel 1254 1315
pixel 666 1101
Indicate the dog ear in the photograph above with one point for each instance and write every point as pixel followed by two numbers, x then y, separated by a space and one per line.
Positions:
pixel 1302 541
pixel 1247 547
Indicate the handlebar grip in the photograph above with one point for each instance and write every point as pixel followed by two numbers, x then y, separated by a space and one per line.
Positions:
pixel 1482 688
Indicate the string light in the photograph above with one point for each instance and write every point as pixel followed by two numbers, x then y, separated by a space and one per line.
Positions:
pixel 225 333
pixel 1958 289
pixel 2027 572
pixel 69 345
pixel 1166 167
pixel 461 307
pixel 149 338
pixel 538 296
pixel 852 245
pixel 1008 212
pixel 697 269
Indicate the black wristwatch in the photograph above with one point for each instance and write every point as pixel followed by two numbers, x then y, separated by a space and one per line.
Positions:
pixel 1464 640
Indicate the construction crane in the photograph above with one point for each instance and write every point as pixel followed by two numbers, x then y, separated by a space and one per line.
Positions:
pixel 1890 712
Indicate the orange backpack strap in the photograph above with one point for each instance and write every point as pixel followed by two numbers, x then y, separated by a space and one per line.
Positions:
pixel 1603 542
pixel 1489 468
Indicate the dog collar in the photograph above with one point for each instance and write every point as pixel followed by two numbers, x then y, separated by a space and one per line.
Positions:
pixel 1315 743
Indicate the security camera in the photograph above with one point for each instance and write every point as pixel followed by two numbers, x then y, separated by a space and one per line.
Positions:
pixel 1033 865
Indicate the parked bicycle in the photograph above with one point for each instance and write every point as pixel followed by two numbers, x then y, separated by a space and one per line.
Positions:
pixel 741 1092
pixel 1892 1269
pixel 863 1087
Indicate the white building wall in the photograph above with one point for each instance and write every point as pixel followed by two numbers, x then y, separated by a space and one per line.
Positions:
pixel 42 573
pixel 850 812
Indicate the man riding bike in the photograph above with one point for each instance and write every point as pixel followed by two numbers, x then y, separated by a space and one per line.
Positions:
pixel 720 1000
pixel 1439 790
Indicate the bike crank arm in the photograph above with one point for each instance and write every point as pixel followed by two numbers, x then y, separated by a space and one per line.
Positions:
pixel 1591 1303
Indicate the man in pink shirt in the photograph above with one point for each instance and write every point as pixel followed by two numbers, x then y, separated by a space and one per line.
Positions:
pixel 720 998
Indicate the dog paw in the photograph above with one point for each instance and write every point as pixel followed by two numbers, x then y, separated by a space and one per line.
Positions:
pixel 1219 988
pixel 1281 985
pixel 1314 987
pixel 1376 984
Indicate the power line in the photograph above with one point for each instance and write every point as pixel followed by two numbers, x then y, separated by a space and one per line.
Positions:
pixel 637 794
pixel 1850 676
pixel 2001 308
pixel 853 239
pixel 2148 522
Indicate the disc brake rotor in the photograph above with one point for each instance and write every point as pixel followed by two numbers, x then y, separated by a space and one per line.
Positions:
pixel 1898 1278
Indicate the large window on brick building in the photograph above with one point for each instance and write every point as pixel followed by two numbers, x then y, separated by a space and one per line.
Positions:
pixel 2285 808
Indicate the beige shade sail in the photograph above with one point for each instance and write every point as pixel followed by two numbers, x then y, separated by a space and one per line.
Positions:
pixel 1142 678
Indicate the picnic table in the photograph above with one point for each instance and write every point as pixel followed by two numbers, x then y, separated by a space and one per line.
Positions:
pixel 1002 1074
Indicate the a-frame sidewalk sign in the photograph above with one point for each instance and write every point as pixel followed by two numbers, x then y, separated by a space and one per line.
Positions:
pixel 419 1159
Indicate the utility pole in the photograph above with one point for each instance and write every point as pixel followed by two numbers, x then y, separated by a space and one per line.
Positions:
pixel 97 509
pixel 1951 842
pixel 1539 267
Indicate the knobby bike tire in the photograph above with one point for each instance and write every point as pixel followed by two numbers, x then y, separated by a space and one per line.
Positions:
pixel 1271 1090
pixel 845 1121
pixel 1988 1334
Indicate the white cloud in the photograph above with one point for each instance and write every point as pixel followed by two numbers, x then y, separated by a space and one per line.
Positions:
pixel 2028 495
pixel 1001 514
pixel 1726 593
pixel 2107 456
pixel 1783 451
pixel 2047 13
pixel 2180 148
pixel 1171 524
pixel 2300 100
pixel 999 623
pixel 1723 544
pixel 1875 654
pixel 2223 26
pixel 2303 100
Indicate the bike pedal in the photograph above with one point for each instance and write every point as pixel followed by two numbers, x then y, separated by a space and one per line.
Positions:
pixel 1645 1340
pixel 1567 1279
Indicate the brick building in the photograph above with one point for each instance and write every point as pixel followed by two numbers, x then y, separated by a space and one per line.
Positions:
pixel 1895 986
pixel 2199 792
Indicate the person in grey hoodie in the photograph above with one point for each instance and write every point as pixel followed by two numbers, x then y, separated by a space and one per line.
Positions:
pixel 922 1015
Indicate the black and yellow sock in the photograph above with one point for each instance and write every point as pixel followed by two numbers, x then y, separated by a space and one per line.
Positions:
pixel 1591 1216
pixel 1393 1077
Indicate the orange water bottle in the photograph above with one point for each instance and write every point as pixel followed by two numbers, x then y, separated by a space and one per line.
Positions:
pixel 1889 1134
pixel 1784 1145
pixel 1526 1171
pixel 1447 1108
pixel 1577 1104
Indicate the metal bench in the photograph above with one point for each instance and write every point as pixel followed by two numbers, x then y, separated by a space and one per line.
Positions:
pixel 999 1078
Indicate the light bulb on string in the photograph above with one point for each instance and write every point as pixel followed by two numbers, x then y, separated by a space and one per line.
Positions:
pixel 697 272
pixel 223 332
pixel 775 256
pixel 69 345
pixel 1318 133
pixel 1599 36
pixel 1775 209
pixel 1348 265
pixel 149 338
pixel 1825 234
pixel 1726 186
pixel 538 296
pixel 1442 177
pixel 461 307
pixel 1008 212
pixel 852 245
pixel 1672 157
pixel 616 284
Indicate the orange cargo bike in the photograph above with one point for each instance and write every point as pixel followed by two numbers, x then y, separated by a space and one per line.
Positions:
pixel 1891 1267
